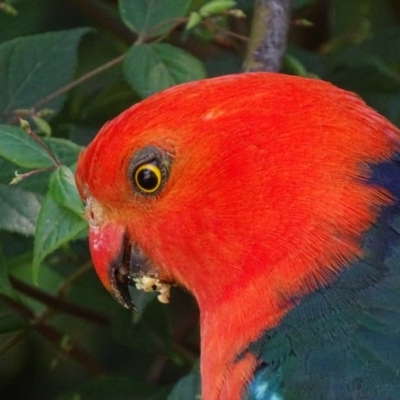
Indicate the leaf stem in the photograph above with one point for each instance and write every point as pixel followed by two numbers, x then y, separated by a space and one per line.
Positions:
pixel 33 135
pixel 78 81
pixel 19 177
pixel 213 26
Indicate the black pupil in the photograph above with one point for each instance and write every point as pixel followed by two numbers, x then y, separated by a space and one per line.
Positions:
pixel 147 179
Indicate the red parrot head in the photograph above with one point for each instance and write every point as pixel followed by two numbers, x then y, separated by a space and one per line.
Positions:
pixel 250 190
pixel 231 184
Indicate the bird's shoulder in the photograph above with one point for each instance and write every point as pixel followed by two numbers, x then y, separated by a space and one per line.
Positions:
pixel 342 341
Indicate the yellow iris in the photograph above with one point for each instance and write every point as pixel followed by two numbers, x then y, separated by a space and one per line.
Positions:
pixel 148 177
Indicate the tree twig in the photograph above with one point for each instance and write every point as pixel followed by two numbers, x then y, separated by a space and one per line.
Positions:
pixel 58 303
pixel 63 290
pixel 77 82
pixel 14 340
pixel 268 35
pixel 55 337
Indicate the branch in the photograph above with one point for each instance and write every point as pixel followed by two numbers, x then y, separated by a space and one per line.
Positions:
pixel 268 38
pixel 13 341
pixel 78 81
pixel 58 303
pixel 55 337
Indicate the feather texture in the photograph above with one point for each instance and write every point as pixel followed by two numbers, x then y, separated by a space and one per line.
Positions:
pixel 280 215
pixel 342 341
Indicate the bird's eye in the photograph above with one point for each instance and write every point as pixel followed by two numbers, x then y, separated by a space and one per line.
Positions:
pixel 148 170
pixel 148 177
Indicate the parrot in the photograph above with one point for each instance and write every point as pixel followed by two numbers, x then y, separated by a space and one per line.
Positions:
pixel 274 200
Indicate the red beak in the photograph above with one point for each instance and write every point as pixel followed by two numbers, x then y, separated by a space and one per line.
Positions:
pixel 120 263
pixel 110 250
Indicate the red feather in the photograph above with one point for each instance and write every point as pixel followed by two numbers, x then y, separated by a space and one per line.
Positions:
pixel 264 203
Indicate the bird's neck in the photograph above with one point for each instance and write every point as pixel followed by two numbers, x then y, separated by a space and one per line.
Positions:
pixel 226 330
pixel 237 314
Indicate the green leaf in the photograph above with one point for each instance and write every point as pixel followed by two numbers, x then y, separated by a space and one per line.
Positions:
pixel 216 7
pixel 65 151
pixel 37 183
pixel 63 190
pixel 9 9
pixel 19 210
pixel 151 68
pixel 56 226
pixel 194 20
pixel 151 18
pixel 189 387
pixel 7 171
pixel 42 125
pixel 295 66
pixel 19 147
pixel 36 66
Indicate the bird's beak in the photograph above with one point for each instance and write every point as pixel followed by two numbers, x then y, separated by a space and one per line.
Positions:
pixel 108 245
pixel 120 263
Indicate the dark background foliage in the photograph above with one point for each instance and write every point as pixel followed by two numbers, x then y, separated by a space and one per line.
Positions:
pixel 68 66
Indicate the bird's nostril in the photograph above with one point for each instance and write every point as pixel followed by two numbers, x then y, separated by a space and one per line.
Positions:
pixel 94 213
